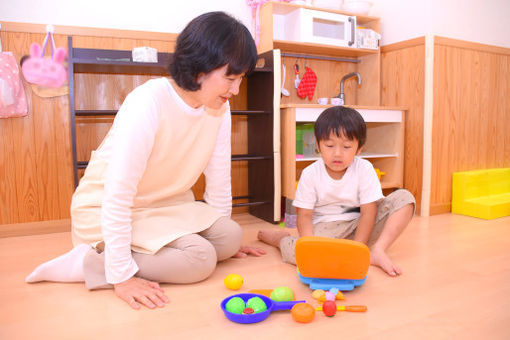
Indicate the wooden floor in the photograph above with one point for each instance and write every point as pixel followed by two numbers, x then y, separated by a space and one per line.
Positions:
pixel 456 285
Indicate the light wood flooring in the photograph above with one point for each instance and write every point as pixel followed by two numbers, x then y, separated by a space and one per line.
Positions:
pixel 456 285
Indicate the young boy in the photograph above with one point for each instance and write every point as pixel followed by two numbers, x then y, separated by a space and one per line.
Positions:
pixel 340 196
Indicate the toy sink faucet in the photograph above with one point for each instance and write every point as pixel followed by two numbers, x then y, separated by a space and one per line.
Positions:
pixel 341 95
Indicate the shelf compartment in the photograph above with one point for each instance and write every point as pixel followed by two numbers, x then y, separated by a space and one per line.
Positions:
pixel 320 49
pixel 362 155
pixel 88 60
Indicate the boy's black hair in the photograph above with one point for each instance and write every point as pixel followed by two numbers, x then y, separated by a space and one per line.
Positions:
pixel 341 120
pixel 208 42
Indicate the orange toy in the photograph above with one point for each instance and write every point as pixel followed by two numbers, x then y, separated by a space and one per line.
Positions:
pixel 325 263
pixel 303 312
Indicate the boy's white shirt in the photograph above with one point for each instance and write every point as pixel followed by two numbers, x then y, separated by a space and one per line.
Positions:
pixel 332 199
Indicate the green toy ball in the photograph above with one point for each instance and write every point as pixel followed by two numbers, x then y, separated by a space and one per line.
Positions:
pixel 257 304
pixel 235 305
pixel 282 294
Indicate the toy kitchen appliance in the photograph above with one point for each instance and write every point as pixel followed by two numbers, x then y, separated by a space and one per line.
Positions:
pixel 312 26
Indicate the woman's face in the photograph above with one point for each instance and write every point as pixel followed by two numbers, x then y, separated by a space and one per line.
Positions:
pixel 216 87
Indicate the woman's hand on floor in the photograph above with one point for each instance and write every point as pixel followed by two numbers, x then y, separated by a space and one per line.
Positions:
pixel 247 250
pixel 136 291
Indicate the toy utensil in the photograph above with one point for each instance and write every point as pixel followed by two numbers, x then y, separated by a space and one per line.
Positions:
pixel 353 308
pixel 256 317
pixel 284 90
pixel 296 72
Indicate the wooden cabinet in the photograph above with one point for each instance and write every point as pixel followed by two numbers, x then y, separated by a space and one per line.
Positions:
pixel 262 116
pixel 330 63
pixel 384 147
pixel 385 125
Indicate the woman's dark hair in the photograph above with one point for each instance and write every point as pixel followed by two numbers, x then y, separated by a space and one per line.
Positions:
pixel 341 120
pixel 208 42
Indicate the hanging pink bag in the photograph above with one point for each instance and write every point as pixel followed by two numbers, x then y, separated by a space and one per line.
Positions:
pixel 48 72
pixel 13 102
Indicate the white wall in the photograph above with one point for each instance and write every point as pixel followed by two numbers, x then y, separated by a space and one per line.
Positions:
pixel 142 15
pixel 483 21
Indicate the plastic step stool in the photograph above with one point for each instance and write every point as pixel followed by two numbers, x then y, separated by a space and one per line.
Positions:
pixel 481 193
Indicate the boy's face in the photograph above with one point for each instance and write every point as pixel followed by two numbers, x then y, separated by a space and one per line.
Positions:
pixel 338 153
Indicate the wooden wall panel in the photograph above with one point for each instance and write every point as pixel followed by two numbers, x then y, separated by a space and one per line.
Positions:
pixel 471 114
pixel 402 84
pixel 36 180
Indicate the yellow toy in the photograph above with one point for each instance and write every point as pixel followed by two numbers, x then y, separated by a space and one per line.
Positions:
pixel 481 193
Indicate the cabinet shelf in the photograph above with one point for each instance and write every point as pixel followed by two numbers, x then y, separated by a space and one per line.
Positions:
pixel 361 155
pixel 262 159
pixel 384 146
pixel 322 50
pixel 88 60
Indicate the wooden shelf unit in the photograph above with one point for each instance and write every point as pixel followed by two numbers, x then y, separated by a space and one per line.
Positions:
pixel 262 157
pixel 384 147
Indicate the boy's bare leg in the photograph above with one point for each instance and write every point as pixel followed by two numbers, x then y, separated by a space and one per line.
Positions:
pixel 393 227
pixel 272 237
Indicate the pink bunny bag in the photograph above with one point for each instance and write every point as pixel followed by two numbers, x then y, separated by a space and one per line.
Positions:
pixel 43 71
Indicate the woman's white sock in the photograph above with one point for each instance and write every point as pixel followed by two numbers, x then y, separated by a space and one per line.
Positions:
pixel 65 268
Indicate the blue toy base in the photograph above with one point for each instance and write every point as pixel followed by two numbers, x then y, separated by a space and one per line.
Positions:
pixel 327 284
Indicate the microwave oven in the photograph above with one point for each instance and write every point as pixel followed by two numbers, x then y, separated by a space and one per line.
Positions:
pixel 308 25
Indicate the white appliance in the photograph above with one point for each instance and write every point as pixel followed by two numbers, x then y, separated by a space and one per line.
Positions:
pixel 320 27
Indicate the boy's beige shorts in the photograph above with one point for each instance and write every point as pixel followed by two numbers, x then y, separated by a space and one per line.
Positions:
pixel 346 229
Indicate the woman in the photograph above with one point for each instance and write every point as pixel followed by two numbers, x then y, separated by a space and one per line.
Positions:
pixel 135 221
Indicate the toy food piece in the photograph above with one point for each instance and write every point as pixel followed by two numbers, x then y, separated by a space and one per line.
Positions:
pixel 282 294
pixel 303 312
pixel 340 296
pixel 329 308
pixel 353 308
pixel 330 296
pixel 248 311
pixel 235 305
pixel 257 304
pixel 233 281
pixel 265 292
pixel 317 294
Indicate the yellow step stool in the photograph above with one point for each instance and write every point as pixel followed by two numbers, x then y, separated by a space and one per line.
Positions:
pixel 481 193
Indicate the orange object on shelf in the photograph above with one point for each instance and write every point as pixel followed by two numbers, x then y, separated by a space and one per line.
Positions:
pixel 322 257
pixel 265 292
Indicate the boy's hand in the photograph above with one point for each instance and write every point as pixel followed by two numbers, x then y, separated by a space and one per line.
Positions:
pixel 248 250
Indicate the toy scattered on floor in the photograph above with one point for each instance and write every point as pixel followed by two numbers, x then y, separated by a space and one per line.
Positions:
pixel 257 304
pixel 352 308
pixel 321 296
pixel 325 263
pixel 255 317
pixel 233 281
pixel 303 312
pixel 265 292
pixel 235 305
pixel 329 308
pixel 282 294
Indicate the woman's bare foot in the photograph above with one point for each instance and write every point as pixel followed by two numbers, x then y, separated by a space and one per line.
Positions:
pixel 272 237
pixel 380 259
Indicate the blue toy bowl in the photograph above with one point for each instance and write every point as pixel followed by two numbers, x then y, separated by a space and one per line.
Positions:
pixel 256 317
